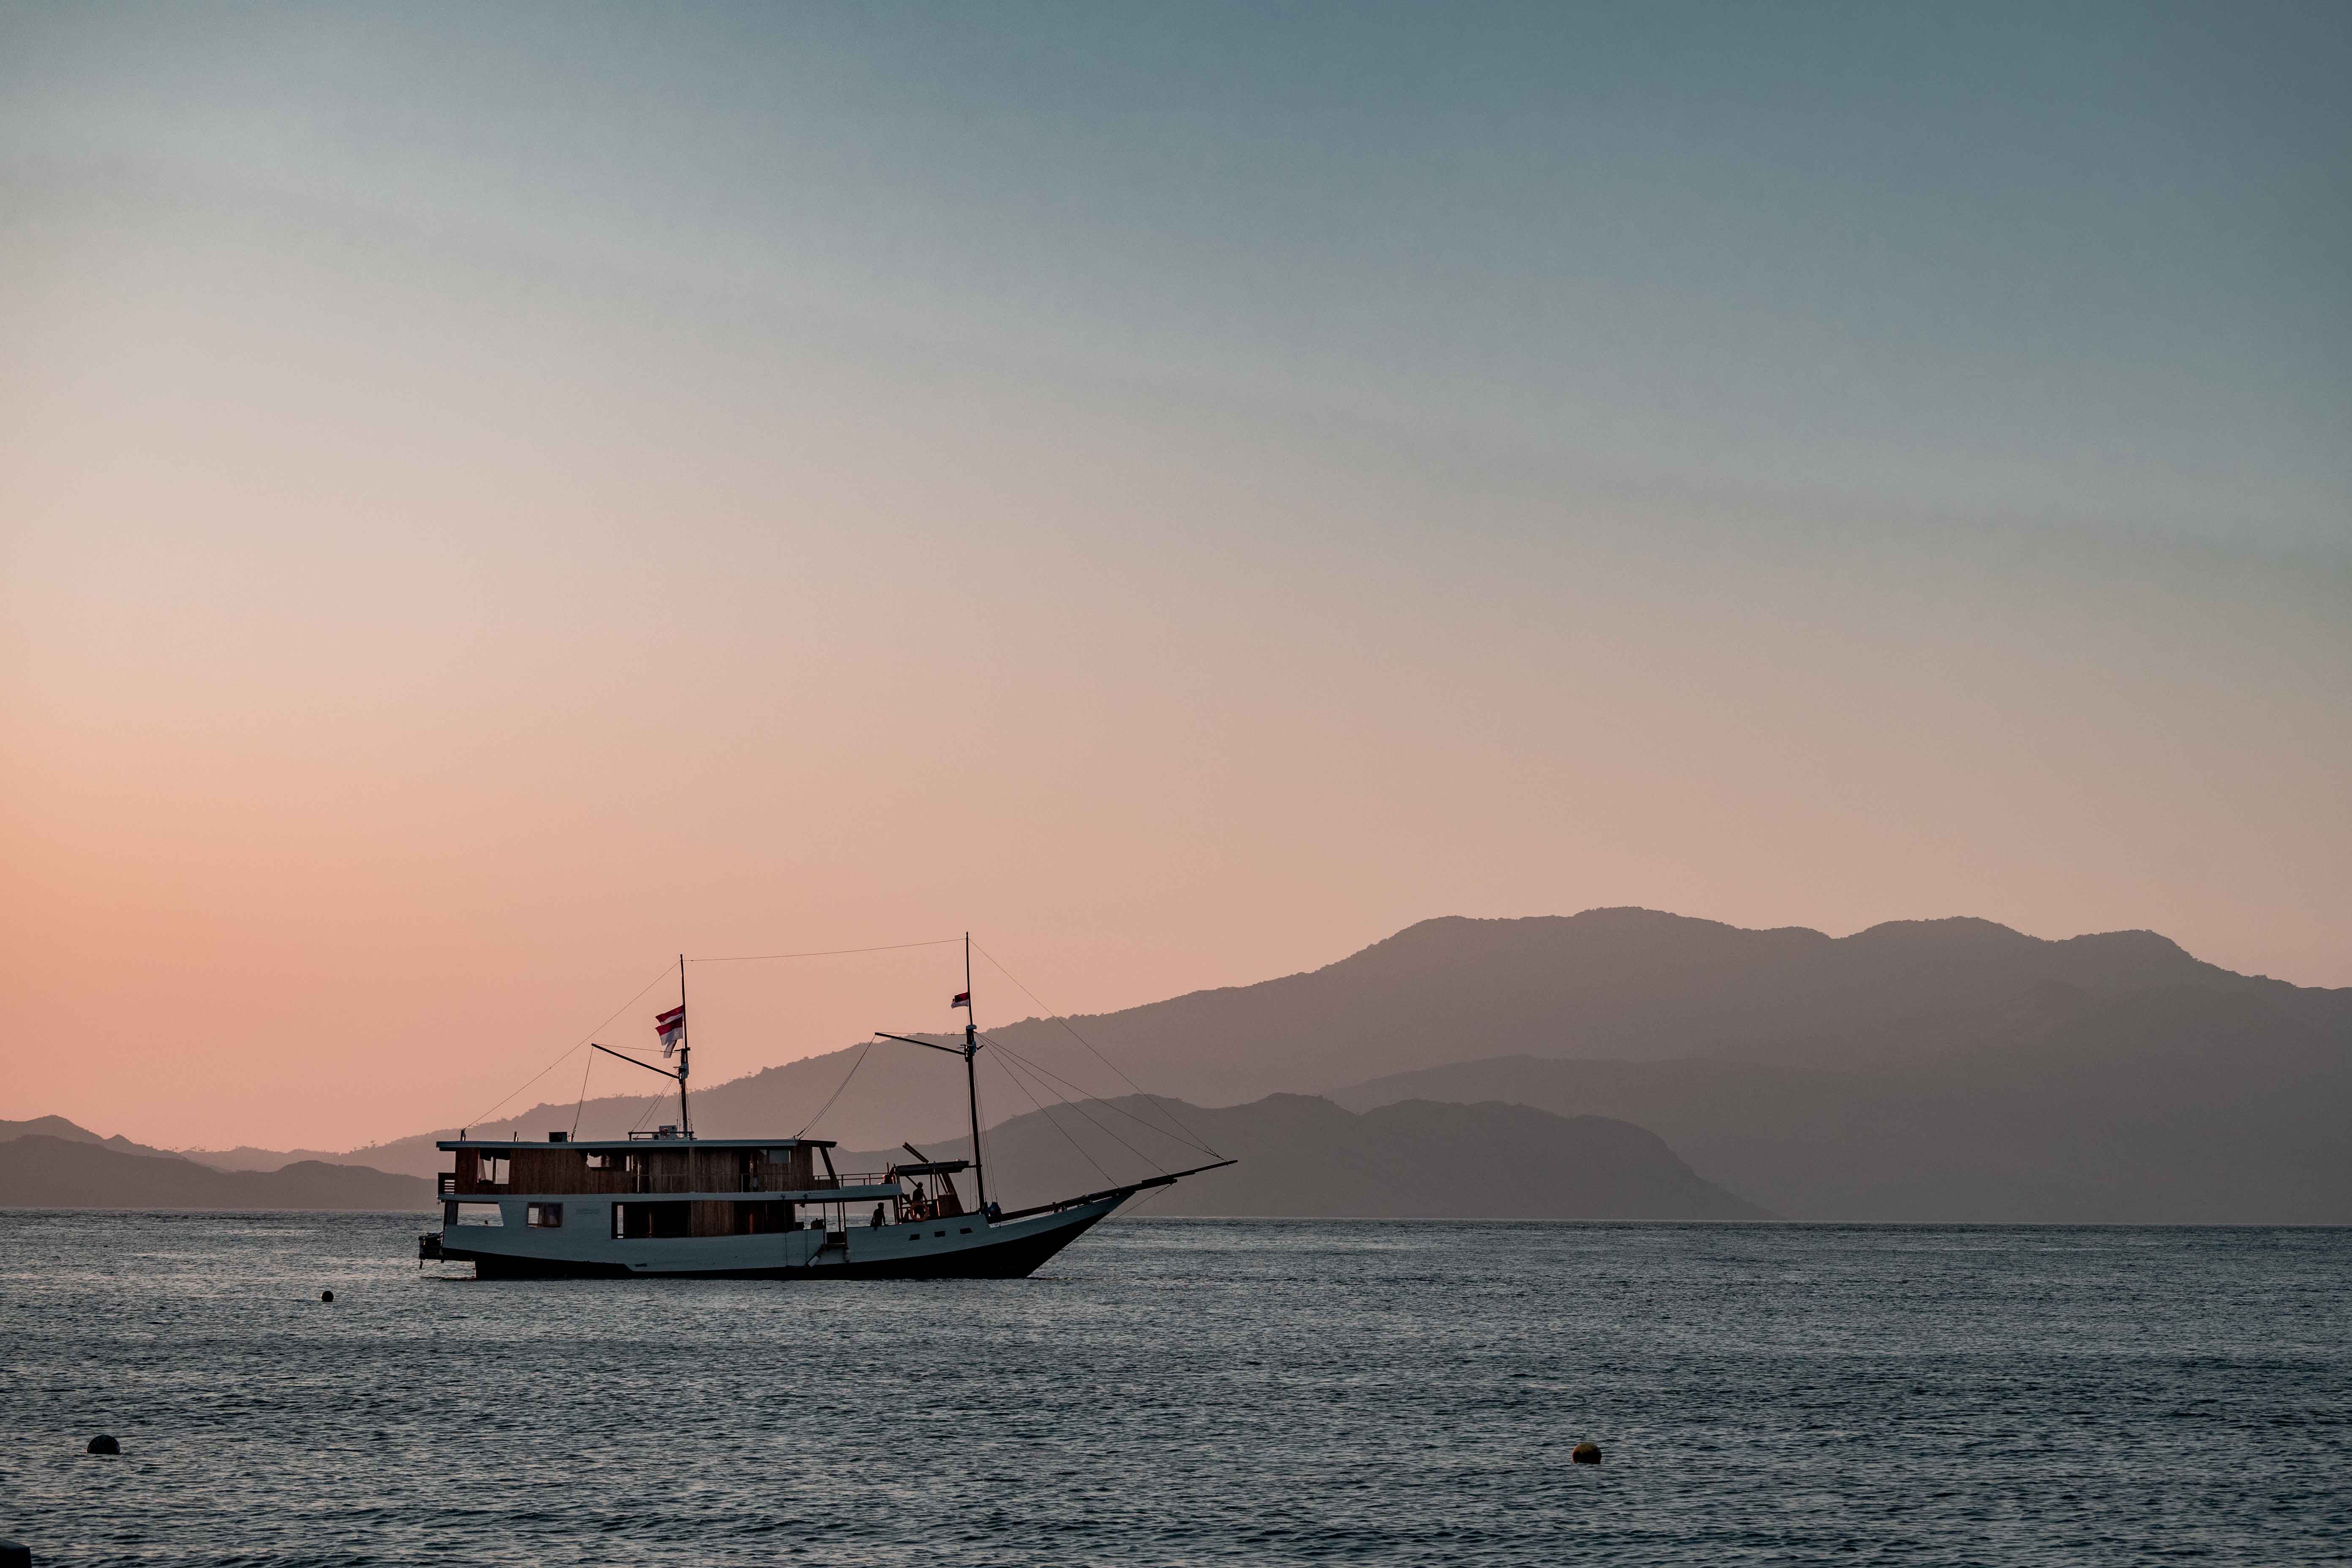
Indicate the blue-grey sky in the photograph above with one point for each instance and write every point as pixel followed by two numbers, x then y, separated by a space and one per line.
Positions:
pixel 2078 265
pixel 1189 487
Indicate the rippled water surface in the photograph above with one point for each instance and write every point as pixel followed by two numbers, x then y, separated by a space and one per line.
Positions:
pixel 1179 1390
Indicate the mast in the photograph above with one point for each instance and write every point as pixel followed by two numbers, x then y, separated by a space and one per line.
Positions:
pixel 972 1075
pixel 686 1050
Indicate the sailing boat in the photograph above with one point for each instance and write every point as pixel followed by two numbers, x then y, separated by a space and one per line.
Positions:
pixel 669 1203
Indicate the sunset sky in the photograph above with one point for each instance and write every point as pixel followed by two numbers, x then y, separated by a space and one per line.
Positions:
pixel 491 497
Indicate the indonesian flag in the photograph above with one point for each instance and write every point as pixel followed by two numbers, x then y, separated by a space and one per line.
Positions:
pixel 670 1026
pixel 962 999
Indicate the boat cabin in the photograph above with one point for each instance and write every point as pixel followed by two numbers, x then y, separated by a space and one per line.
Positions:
pixel 662 1184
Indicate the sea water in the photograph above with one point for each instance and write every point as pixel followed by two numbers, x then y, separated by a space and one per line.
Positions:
pixel 1172 1391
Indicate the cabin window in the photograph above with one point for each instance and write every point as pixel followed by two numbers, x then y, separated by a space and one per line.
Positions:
pixel 480 1214
pixel 603 1162
pixel 543 1216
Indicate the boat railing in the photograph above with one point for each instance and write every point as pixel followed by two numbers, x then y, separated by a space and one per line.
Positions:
pixel 647 1184
pixel 447 1185
pixel 652 1181
pixel 821 1183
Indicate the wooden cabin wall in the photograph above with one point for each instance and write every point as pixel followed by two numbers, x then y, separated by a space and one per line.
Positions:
pixel 720 1170
pixel 552 1170
pixel 560 1168
pixel 783 1175
pixel 662 1170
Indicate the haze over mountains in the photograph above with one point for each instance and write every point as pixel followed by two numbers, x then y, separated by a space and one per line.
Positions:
pixel 1636 984
pixel 1950 1069
pixel 1304 1157
pixel 2172 1106
pixel 50 1162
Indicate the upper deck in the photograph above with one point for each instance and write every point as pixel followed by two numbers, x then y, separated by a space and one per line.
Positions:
pixel 489 1167
pixel 643 1140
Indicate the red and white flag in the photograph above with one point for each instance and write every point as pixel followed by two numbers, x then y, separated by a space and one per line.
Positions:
pixel 962 999
pixel 670 1027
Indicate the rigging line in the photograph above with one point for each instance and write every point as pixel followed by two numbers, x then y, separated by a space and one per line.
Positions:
pixel 1032 1067
pixel 837 1093
pixel 1056 1124
pixel 1052 1078
pixel 585 1068
pixel 1090 1045
pixel 1107 1105
pixel 829 953
pixel 659 1096
pixel 585 1039
pixel 1081 1109
pixel 1090 1159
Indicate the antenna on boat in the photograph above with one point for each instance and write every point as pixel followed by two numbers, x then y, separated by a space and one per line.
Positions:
pixel 971 1074
pixel 686 1050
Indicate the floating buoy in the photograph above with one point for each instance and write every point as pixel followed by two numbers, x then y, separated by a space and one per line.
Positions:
pixel 326 1294
pixel 1585 1454
pixel 102 1443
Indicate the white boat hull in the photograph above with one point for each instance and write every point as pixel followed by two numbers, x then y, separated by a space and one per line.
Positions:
pixel 967 1246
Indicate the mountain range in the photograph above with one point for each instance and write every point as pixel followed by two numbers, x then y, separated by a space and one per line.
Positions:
pixel 79 1170
pixel 2176 1105
pixel 1919 1069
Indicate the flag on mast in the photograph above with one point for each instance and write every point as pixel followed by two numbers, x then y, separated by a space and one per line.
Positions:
pixel 670 1026
pixel 962 999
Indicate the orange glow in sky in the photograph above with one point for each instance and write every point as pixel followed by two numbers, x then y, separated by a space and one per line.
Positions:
pixel 454 562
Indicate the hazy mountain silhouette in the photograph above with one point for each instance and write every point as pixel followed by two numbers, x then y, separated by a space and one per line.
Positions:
pixel 244 1157
pixel 2178 1105
pixel 1818 1075
pixel 1306 1157
pixel 1636 984
pixel 41 1170
pixel 1607 982
pixel 59 1127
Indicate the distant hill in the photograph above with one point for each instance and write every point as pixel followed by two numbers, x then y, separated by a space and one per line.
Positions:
pixel 59 1127
pixel 43 1171
pixel 1820 1075
pixel 1618 984
pixel 244 1157
pixel 1636 984
pixel 1306 1157
pixel 2182 1105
